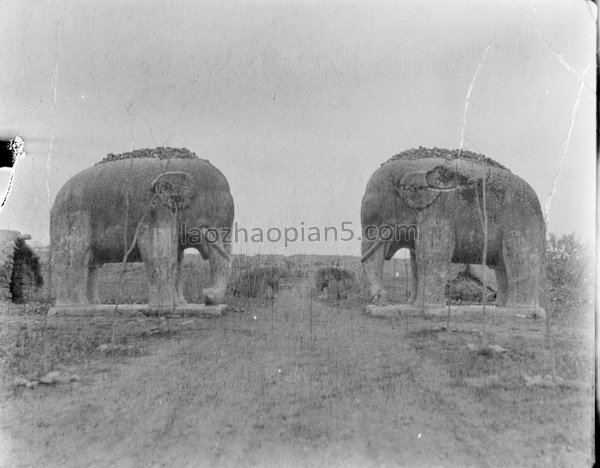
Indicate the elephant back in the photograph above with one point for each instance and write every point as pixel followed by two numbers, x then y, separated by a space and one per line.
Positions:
pixel 415 178
pixel 458 166
pixel 124 184
pixel 425 159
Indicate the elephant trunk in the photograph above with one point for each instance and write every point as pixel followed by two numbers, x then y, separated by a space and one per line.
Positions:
pixel 219 255
pixel 373 270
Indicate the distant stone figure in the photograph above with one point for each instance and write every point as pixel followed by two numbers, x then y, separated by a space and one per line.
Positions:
pixel 146 205
pixel 440 192
pixel 338 282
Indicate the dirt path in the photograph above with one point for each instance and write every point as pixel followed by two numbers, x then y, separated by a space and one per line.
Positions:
pixel 295 383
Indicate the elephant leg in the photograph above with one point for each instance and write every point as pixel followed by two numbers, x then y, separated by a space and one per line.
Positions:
pixel 502 282
pixel 92 283
pixel 157 243
pixel 203 251
pixel 220 269
pixel 70 260
pixel 434 251
pixel 180 299
pixel 413 277
pixel 522 258
pixel 373 270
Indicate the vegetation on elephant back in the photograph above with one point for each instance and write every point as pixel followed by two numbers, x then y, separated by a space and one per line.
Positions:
pixel 569 275
pixel 148 205
pixel 423 153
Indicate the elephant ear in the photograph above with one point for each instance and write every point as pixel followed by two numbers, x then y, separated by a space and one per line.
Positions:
pixel 442 178
pixel 176 188
pixel 415 190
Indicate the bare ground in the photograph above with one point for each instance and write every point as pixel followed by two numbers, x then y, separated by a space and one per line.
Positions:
pixel 294 382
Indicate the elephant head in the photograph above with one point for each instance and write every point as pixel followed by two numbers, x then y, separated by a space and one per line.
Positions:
pixel 420 189
pixel 174 189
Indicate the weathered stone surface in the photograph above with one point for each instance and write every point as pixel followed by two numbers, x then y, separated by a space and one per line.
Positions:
pixel 388 311
pixel 147 205
pixel 136 310
pixel 440 192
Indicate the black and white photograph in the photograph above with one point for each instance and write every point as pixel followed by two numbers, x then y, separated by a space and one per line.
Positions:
pixel 298 233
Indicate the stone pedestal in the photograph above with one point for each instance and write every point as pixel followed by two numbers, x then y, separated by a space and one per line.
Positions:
pixel 432 310
pixel 133 310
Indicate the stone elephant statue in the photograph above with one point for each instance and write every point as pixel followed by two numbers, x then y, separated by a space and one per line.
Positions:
pixel 146 205
pixel 430 201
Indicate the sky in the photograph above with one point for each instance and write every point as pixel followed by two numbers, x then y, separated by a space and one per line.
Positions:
pixel 299 102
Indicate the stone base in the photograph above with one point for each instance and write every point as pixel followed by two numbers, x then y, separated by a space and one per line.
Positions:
pixel 135 310
pixel 386 311
pixel 398 310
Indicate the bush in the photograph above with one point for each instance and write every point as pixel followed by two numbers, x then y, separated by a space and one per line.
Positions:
pixel 569 274
pixel 338 281
pixel 466 288
pixel 256 281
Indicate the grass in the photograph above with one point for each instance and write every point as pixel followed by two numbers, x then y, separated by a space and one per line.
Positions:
pixel 296 382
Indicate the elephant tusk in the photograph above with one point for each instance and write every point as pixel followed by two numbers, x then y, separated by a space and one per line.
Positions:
pixel 370 250
pixel 443 189
pixel 168 173
pixel 425 187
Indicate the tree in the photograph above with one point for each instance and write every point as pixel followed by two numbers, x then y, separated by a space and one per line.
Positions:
pixel 569 273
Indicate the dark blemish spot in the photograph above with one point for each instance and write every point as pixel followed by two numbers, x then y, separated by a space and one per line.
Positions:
pixel 10 151
pixel 6 155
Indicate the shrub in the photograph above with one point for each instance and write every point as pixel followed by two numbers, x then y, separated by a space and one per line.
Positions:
pixel 256 281
pixel 569 274
pixel 465 288
pixel 338 281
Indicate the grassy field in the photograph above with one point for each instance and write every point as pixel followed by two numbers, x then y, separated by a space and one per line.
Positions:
pixel 294 382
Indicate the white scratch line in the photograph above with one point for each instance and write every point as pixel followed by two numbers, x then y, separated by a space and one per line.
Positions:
pixel 556 53
pixel 469 91
pixel 566 145
pixel 10 182
pixel 54 82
